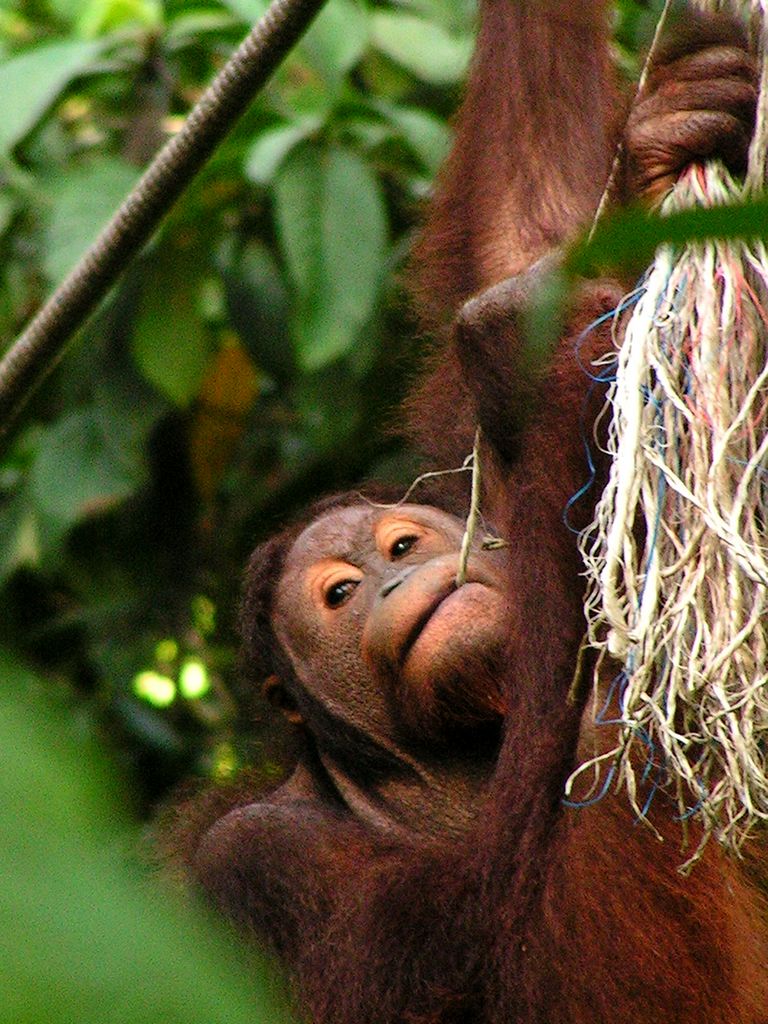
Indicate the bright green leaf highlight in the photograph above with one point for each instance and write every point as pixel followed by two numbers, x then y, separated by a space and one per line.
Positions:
pixel 425 49
pixel 66 10
pixel 103 16
pixel 332 227
pixel 33 80
pixel 628 240
pixel 248 10
pixel 204 614
pixel 194 681
pixel 156 689
pixel 273 146
pixel 337 39
pixel 224 762
pixel 19 543
pixel 166 650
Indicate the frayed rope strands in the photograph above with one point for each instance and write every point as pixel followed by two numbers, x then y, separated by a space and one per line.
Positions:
pixel 677 556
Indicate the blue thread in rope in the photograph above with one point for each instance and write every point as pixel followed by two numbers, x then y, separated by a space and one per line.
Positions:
pixel 697 806
pixel 607 377
pixel 620 681
pixel 598 796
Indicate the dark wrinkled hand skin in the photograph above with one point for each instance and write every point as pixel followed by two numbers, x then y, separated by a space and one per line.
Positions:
pixel 698 103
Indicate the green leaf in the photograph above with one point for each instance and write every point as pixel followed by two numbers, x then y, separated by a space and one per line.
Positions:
pixel 247 10
pixel 299 198
pixel 65 10
pixel 273 146
pixel 426 135
pixel 7 210
pixel 83 199
pixel 332 229
pixel 337 39
pixel 126 413
pixel 425 49
pixel 257 304
pixel 365 133
pixel 171 345
pixel 33 80
pixel 86 935
pixel 18 537
pixel 103 16
pixel 455 15
pixel 329 407
pixel 186 29
pixel 80 471
pixel 627 240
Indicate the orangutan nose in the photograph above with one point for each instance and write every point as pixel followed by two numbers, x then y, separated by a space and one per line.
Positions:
pixel 395 582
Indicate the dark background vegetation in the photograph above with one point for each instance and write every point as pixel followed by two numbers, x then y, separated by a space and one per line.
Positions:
pixel 249 360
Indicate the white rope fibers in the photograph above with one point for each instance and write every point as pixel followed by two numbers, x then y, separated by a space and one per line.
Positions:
pixel 677 556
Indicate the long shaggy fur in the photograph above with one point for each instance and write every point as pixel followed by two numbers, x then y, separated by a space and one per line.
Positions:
pixel 537 914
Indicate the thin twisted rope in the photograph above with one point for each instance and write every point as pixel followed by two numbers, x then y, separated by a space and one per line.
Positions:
pixel 42 343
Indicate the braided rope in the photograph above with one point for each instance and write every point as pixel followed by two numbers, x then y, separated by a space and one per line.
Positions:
pixel 42 343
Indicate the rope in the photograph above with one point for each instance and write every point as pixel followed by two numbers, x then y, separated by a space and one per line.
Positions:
pixel 677 556
pixel 42 343
pixel 473 516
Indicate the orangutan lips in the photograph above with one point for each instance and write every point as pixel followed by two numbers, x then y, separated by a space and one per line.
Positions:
pixel 423 619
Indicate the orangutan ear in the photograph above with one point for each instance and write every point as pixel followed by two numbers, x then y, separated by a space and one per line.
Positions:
pixel 277 695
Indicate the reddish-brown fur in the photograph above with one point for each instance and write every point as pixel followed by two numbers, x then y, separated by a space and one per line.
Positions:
pixel 515 183
pixel 540 914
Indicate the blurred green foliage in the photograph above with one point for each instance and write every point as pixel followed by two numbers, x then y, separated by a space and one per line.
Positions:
pixel 84 935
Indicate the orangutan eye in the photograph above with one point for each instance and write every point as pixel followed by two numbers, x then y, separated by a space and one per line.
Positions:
pixel 402 545
pixel 340 592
